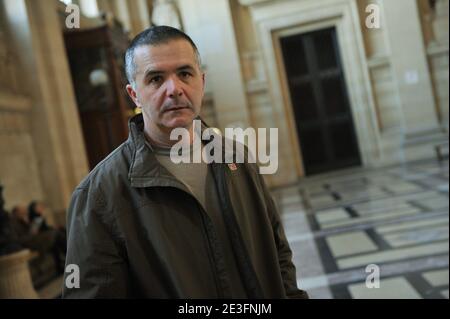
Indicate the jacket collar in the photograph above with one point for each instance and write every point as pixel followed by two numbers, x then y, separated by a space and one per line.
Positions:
pixel 145 170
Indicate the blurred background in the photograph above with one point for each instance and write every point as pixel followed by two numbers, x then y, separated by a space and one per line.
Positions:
pixel 358 90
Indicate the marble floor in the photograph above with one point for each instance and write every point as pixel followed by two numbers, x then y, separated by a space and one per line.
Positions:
pixel 396 218
pixel 52 289
pixel 347 227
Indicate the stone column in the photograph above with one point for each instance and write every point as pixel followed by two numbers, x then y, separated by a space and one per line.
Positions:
pixel 165 13
pixel 210 24
pixel 440 23
pixel 15 277
pixel 121 13
pixel 139 16
pixel 106 6
pixel 55 124
pixel 89 8
pixel 410 67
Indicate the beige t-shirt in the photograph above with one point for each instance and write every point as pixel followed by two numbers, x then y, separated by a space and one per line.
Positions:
pixel 198 179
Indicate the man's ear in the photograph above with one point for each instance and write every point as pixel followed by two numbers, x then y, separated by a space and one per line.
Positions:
pixel 132 93
pixel 204 80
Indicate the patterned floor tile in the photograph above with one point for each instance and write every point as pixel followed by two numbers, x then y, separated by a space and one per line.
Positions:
pixel 350 243
pixel 413 225
pixel 393 288
pixel 417 236
pixel 373 217
pixel 437 277
pixel 393 255
pixel 332 215
pixel 395 217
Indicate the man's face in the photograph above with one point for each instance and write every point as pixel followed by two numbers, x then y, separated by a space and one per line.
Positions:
pixel 40 208
pixel 21 213
pixel 169 85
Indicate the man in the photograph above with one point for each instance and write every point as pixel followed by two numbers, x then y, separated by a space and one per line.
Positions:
pixel 29 235
pixel 141 226
pixel 9 242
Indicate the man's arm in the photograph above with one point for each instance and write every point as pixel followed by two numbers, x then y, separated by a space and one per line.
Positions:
pixel 288 271
pixel 91 246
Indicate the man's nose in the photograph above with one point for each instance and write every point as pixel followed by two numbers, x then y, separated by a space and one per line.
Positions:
pixel 173 87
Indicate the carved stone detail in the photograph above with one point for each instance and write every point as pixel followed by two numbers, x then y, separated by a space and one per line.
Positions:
pixel 165 12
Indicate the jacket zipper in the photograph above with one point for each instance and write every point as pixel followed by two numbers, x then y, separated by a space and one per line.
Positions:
pixel 247 272
pixel 211 257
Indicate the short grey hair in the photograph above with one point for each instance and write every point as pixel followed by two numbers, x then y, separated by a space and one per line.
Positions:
pixel 153 36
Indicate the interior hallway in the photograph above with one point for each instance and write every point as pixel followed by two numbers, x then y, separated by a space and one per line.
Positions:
pixel 395 217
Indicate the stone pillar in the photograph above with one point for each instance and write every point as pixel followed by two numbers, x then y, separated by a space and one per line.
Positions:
pixel 440 23
pixel 106 6
pixel 15 277
pixel 210 25
pixel 138 15
pixel 121 13
pixel 55 124
pixel 410 67
pixel 165 13
pixel 89 8
pixel 109 7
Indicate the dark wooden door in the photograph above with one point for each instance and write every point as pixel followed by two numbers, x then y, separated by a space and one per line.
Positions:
pixel 104 107
pixel 320 102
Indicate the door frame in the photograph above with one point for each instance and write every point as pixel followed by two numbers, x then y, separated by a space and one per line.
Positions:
pixel 279 19
pixel 294 32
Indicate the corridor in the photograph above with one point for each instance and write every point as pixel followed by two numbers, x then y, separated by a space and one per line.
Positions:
pixel 394 217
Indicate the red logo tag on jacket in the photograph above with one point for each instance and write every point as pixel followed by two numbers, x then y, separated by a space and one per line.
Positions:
pixel 232 166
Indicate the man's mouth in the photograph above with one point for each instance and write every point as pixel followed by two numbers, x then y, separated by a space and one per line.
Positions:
pixel 176 108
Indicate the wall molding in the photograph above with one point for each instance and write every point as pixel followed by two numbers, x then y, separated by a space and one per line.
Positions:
pixel 433 50
pixel 276 19
pixel 256 86
pixel 251 2
pixel 378 62
pixel 14 102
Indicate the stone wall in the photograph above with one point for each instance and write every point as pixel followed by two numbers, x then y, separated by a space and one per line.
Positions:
pixel 402 70
pixel 19 167
pixel 398 96
pixel 43 154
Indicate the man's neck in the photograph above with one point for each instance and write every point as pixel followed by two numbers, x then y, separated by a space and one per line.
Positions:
pixel 161 138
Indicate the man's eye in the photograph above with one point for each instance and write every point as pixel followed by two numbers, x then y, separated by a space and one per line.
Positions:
pixel 185 75
pixel 155 80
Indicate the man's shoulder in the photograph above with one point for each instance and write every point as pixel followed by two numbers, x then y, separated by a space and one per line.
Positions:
pixel 115 165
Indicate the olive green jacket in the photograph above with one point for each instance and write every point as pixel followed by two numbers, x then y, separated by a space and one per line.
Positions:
pixel 135 231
